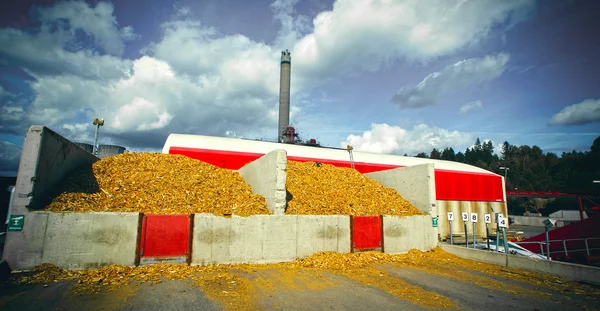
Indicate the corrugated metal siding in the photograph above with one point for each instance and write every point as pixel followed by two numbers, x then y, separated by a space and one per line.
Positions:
pixel 457 207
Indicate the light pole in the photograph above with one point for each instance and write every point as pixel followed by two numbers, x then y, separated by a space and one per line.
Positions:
pixel 505 170
pixel 98 123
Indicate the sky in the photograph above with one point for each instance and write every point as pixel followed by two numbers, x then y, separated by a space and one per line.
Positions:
pixel 398 77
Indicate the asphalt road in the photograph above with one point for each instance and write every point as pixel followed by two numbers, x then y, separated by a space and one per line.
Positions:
pixel 379 287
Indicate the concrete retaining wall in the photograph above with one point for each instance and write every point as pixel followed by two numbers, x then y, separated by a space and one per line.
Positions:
pixel 401 234
pixel 267 177
pixel 90 240
pixel 266 238
pixel 414 183
pixel 528 220
pixel 563 269
pixel 46 158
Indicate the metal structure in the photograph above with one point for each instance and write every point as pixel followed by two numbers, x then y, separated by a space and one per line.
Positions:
pixel 284 93
pixel 85 146
pixel 554 194
pixel 98 123
pixel 109 150
pixel 350 148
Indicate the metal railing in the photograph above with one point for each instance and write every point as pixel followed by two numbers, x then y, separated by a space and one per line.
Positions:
pixel 565 249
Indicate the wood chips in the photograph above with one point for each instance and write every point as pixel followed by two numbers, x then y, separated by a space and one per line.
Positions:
pixel 324 189
pixel 155 183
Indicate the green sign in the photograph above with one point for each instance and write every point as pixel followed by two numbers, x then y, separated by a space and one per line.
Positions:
pixel 434 221
pixel 16 222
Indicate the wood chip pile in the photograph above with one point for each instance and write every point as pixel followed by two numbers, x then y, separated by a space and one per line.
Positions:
pixel 156 183
pixel 324 189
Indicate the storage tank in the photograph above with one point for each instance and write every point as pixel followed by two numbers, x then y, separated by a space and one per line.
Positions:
pixel 459 187
pixel 85 146
pixel 109 150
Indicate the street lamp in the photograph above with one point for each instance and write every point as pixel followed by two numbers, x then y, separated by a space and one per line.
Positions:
pixel 505 170
pixel 98 123
pixel 596 181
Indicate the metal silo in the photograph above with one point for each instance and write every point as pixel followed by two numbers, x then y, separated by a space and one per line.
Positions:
pixel 109 150
pixel 284 93
pixel 85 146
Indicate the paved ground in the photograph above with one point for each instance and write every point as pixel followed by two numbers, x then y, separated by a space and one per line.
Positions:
pixel 380 286
pixel 528 231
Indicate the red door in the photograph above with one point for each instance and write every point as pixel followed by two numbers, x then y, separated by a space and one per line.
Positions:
pixel 366 233
pixel 165 238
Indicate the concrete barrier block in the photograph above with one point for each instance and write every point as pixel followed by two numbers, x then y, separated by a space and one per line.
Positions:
pixel 267 177
pixel 89 240
pixel 266 238
pixel 247 246
pixel 414 183
pixel 343 234
pixel 23 249
pixel 528 220
pixel 202 240
pixel 46 158
pixel 280 238
pixel 401 234
pixel 318 233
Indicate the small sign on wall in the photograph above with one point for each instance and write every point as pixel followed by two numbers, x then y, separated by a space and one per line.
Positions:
pixel 434 222
pixel 15 222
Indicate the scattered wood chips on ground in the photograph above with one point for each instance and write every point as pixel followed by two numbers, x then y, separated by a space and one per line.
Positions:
pixel 156 183
pixel 324 189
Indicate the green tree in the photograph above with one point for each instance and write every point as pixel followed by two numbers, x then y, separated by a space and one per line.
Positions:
pixel 448 154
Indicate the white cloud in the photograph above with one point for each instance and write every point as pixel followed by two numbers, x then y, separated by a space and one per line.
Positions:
pixel 453 77
pixel 194 79
pixel 11 112
pixel 368 35
pixel 54 49
pixel 98 22
pixel 587 111
pixel 384 138
pixel 471 106
pixel 293 25
pixel 9 158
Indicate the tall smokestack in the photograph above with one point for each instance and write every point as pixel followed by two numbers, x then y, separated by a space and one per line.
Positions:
pixel 284 93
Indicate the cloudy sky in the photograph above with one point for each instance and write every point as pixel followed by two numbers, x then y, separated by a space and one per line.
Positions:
pixel 386 76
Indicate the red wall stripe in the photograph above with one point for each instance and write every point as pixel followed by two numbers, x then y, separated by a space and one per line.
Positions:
pixel 449 185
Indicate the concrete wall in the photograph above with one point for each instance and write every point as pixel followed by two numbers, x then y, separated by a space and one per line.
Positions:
pixel 267 177
pixel 90 240
pixel 46 158
pixel 266 238
pixel 401 234
pixel 563 269
pixel 414 183
pixel 528 220
pixel 75 240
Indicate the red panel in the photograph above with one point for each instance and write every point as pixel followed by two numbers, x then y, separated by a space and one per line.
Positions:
pixel 467 186
pixel 587 228
pixel 165 235
pixel 366 232
pixel 450 185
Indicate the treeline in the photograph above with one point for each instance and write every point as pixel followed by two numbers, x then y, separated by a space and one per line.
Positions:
pixel 530 169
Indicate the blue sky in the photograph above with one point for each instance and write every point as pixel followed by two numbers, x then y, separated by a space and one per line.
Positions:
pixel 385 76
